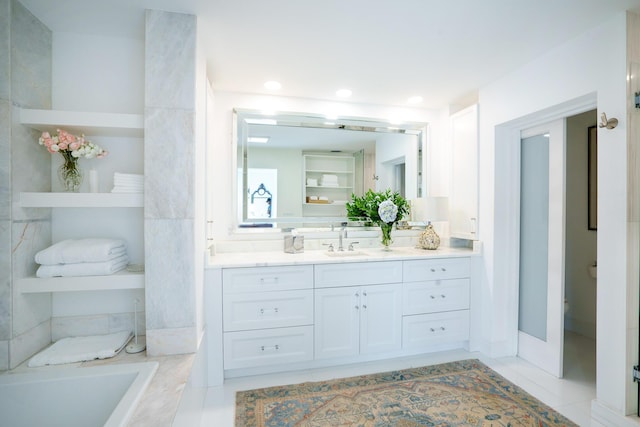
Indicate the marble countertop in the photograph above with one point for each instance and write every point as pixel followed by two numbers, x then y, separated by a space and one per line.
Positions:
pixel 275 258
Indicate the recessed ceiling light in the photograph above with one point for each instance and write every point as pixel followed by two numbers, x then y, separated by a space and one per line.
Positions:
pixel 272 85
pixel 343 93
pixel 258 139
pixel 415 100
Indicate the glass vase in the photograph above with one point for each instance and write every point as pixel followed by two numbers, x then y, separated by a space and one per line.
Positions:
pixel 70 174
pixel 386 236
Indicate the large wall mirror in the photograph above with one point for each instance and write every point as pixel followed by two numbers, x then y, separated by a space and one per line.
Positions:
pixel 299 170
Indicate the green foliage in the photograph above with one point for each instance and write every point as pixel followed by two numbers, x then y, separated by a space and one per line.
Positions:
pixel 366 207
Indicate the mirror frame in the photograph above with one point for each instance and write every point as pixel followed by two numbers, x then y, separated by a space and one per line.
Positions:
pixel 313 120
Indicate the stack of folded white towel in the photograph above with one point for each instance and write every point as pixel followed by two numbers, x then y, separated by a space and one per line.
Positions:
pixel 82 257
pixel 127 183
pixel 329 181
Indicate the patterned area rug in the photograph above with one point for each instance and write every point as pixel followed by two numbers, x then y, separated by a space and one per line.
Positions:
pixel 464 393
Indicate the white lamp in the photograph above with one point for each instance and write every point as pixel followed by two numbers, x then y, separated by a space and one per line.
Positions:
pixel 430 209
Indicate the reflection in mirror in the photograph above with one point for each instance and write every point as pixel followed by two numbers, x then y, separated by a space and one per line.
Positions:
pixel 299 170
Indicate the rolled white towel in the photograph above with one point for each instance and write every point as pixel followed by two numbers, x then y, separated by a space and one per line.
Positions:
pixel 81 250
pixel 83 268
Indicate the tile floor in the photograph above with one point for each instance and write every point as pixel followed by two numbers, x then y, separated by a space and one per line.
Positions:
pixel 571 396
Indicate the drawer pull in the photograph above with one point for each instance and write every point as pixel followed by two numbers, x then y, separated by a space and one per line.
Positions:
pixel 441 328
pixel 270 348
pixel 267 280
pixel 267 310
pixel 434 297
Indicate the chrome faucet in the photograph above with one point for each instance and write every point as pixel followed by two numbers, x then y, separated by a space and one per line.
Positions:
pixel 342 234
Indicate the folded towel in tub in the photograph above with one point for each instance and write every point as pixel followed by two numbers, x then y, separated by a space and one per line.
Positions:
pixel 83 268
pixel 81 250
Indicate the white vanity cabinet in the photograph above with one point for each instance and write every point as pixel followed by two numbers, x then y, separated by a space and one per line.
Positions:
pixel 313 314
pixel 267 315
pixel 358 309
pixel 436 301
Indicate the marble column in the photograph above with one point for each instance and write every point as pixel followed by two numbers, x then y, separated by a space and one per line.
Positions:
pixel 25 82
pixel 169 169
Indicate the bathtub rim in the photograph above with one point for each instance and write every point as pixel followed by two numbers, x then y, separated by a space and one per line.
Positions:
pixel 127 404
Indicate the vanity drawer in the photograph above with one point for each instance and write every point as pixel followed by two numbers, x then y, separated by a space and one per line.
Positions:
pixel 434 269
pixel 422 331
pixel 261 310
pixel 435 296
pixel 260 279
pixel 246 349
pixel 358 273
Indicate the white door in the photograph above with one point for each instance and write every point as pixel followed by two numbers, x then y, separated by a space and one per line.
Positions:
pixel 337 319
pixel 542 237
pixel 381 318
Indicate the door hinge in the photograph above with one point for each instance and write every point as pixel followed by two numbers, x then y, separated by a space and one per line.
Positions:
pixel 636 373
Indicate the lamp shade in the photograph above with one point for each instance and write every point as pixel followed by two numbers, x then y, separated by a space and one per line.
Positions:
pixel 430 209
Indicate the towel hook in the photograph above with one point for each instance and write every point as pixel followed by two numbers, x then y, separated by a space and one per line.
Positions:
pixel 608 123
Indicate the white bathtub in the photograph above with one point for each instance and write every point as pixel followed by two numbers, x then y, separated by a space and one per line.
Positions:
pixel 94 396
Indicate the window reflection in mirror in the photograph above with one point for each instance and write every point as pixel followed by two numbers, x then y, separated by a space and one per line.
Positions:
pixel 317 163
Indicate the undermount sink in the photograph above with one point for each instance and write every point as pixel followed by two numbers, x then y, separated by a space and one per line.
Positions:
pixel 345 253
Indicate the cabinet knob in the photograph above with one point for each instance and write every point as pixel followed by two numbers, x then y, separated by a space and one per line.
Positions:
pixel 444 269
pixel 357 307
pixel 364 294
pixel 364 306
pixel 432 297
pixel 433 270
pixel 441 296
pixel 357 294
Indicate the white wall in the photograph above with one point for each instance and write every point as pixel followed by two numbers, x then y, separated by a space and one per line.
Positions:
pixel 389 151
pixel 581 243
pixel 222 169
pixel 594 62
pixel 93 73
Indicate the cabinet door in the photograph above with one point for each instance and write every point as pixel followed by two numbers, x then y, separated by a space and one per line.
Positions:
pixel 380 318
pixel 337 313
pixel 463 200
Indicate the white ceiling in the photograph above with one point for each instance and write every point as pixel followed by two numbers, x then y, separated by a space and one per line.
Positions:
pixel 384 51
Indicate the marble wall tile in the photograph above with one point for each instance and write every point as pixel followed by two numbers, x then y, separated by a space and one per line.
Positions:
pixel 5 49
pixel 4 355
pixel 28 238
pixel 170 58
pixel 163 342
pixel 25 345
pixel 5 159
pixel 169 274
pixel 125 322
pixel 5 280
pixel 79 326
pixel 169 163
pixel 30 59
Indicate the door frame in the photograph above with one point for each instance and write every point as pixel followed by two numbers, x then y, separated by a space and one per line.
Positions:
pixel 507 205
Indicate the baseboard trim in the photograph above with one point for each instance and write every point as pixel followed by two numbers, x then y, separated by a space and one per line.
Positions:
pixel 608 417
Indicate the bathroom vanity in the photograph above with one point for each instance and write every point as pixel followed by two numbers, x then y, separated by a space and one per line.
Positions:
pixel 271 311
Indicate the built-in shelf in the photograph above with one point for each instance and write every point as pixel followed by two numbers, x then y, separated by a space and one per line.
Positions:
pixel 81 200
pixel 87 123
pixel 121 280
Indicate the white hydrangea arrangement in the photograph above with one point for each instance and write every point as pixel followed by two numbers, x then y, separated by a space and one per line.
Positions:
pixel 383 209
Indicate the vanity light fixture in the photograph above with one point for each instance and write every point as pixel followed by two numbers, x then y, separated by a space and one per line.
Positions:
pixel 258 139
pixel 415 100
pixel 343 93
pixel 272 85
